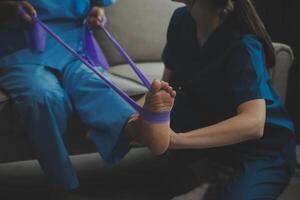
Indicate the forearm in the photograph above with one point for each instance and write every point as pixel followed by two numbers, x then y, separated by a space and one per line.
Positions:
pixel 232 131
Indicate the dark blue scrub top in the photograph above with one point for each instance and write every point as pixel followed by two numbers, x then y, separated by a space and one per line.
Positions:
pixel 213 80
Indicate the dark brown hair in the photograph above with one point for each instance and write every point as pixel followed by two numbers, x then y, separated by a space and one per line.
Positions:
pixel 248 21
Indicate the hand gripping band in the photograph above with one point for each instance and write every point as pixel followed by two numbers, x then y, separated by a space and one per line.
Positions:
pixel 37 35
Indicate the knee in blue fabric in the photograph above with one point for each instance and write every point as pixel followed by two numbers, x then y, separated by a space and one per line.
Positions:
pixel 39 101
pixel 43 108
pixel 34 89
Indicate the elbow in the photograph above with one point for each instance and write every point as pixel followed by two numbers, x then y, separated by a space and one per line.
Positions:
pixel 259 133
pixel 257 128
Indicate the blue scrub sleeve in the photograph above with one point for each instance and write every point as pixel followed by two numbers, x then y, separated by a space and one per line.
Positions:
pixel 247 73
pixel 103 3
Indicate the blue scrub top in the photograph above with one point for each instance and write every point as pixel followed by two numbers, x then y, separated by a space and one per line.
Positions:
pixel 63 17
pixel 213 80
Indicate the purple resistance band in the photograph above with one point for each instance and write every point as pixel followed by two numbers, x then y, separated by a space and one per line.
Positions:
pixel 93 52
pixel 35 37
pixel 40 35
pixel 128 59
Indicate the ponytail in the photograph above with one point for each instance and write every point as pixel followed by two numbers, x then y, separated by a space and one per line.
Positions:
pixel 250 22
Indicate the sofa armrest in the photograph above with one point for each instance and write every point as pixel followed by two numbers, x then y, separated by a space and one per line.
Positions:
pixel 279 74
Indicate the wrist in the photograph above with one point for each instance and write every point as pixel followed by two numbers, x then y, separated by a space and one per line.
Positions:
pixel 97 7
pixel 175 139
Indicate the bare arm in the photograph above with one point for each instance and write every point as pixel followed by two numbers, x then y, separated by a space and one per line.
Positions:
pixel 246 125
pixel 167 75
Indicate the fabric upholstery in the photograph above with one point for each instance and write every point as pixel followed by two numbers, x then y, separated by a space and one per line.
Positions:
pixel 140 26
pixel 279 74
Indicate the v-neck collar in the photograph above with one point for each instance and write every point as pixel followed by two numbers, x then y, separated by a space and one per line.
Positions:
pixel 220 40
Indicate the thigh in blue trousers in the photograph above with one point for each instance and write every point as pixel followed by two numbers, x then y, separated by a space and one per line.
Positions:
pixel 261 177
pixel 45 100
pixel 235 174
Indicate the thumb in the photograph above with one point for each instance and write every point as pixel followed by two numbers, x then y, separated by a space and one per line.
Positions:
pixel 30 11
pixel 29 8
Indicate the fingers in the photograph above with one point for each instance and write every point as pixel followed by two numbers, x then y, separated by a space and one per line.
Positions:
pixel 30 11
pixel 96 17
pixel 94 22
pixel 98 13
pixel 29 8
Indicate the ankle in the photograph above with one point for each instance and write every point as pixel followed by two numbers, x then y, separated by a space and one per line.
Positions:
pixel 130 128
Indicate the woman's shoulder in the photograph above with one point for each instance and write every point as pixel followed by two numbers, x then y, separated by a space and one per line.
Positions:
pixel 247 45
pixel 247 41
pixel 180 12
pixel 178 25
pixel 247 53
pixel 180 15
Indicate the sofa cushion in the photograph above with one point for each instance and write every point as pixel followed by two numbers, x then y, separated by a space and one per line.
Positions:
pixel 152 70
pixel 140 26
pixel 131 88
pixel 129 82
pixel 278 74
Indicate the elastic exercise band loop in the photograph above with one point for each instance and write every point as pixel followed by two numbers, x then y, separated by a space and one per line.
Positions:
pixel 128 59
pixel 91 48
pixel 149 116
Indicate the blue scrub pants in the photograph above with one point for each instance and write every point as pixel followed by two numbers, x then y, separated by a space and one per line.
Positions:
pixel 45 98
pixel 234 174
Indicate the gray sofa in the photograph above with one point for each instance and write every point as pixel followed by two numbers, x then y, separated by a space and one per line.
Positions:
pixel 140 26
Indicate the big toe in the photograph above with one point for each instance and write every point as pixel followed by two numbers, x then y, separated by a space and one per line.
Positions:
pixel 156 86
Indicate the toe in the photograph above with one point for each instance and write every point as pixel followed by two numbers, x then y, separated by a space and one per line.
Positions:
pixel 164 85
pixel 169 90
pixel 173 94
pixel 156 86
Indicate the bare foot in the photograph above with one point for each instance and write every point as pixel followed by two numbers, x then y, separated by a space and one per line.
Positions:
pixel 157 135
